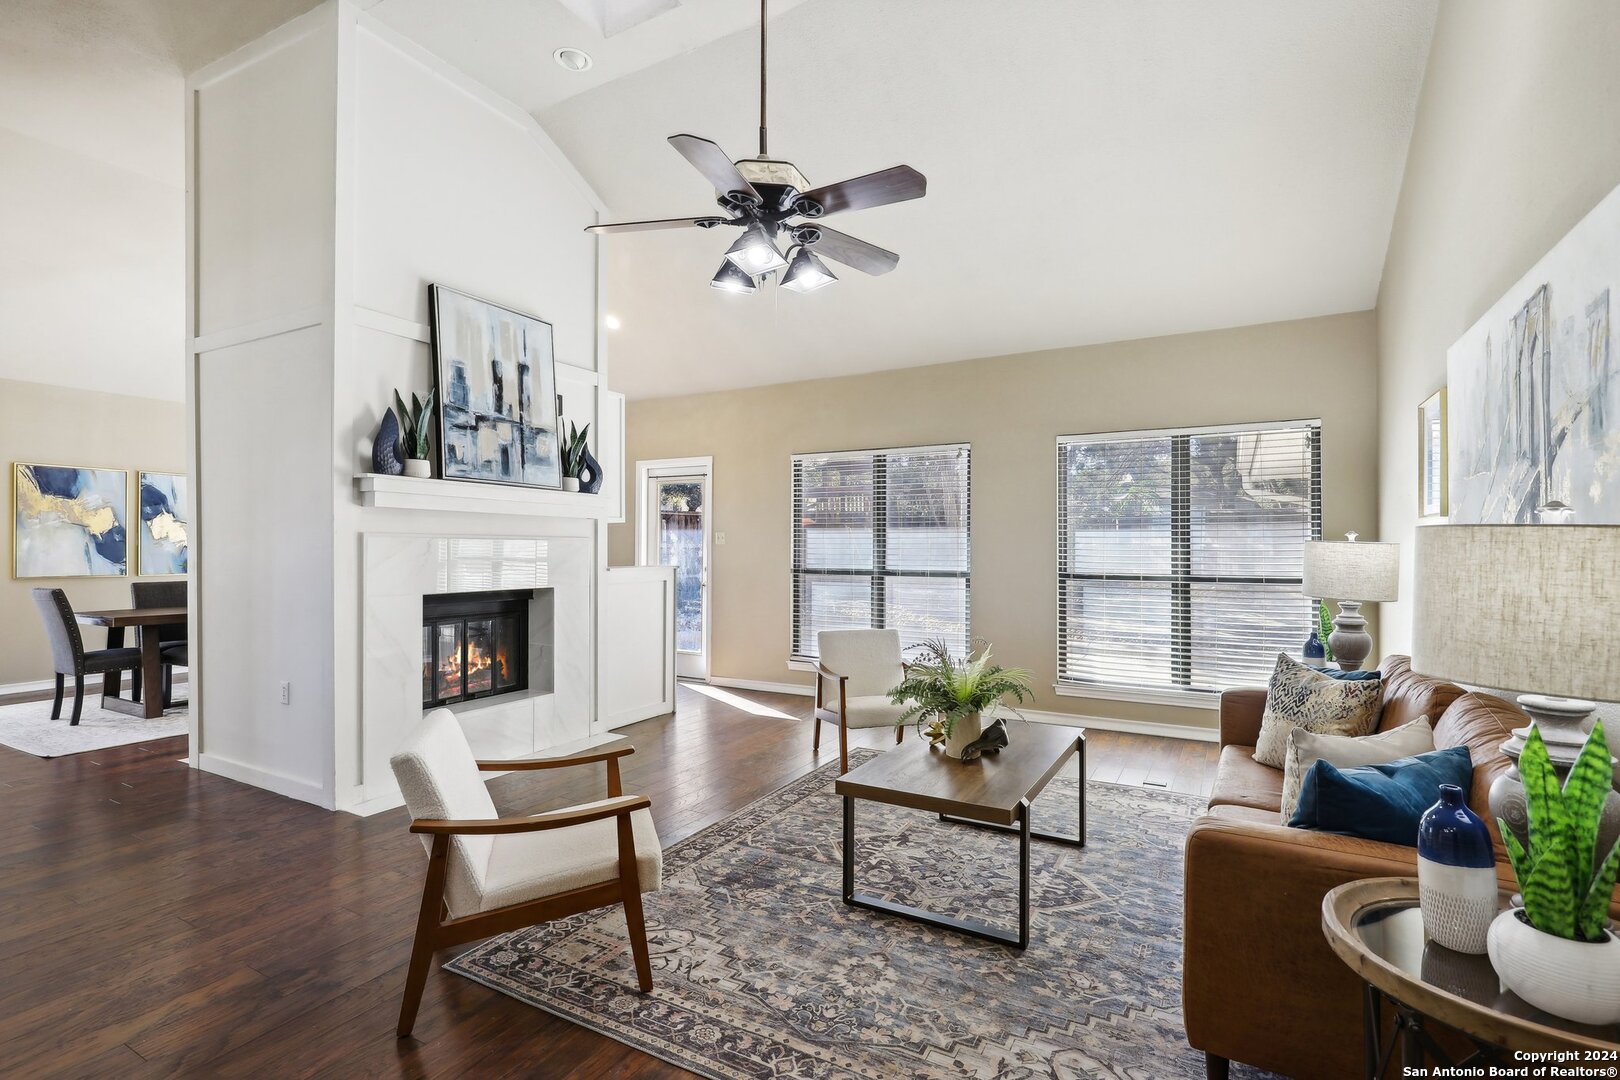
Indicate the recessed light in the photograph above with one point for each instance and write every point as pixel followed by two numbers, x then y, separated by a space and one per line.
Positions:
pixel 611 322
pixel 572 59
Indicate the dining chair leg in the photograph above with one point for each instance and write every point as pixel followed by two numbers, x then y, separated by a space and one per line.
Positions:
pixel 635 923
pixel 427 928
pixel 134 686
pixel 56 706
pixel 168 685
pixel 78 699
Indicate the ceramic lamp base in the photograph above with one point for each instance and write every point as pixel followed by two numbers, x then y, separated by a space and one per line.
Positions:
pixel 1350 641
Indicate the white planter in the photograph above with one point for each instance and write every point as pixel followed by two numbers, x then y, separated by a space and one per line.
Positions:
pixel 570 483
pixel 419 467
pixel 964 731
pixel 1577 980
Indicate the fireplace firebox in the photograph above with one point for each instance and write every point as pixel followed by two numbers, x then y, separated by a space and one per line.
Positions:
pixel 474 645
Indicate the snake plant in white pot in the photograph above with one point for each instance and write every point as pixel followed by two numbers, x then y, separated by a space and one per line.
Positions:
pixel 414 425
pixel 1557 951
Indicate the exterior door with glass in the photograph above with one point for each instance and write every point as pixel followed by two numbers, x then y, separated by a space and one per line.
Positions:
pixel 677 533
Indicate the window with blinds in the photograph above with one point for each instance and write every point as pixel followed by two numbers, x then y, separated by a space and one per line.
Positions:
pixel 1180 554
pixel 881 539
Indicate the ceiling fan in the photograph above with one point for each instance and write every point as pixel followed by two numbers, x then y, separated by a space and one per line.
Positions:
pixel 763 196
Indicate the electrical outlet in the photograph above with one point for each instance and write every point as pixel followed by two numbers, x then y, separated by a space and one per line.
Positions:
pixel 286 693
pixel 719 538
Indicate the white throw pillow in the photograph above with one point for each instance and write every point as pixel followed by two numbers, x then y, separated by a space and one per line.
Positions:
pixel 1302 697
pixel 1346 751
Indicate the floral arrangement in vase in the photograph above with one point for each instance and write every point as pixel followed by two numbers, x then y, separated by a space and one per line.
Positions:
pixel 1557 952
pixel 949 695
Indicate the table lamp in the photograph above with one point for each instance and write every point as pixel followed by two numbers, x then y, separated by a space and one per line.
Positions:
pixel 1526 607
pixel 1370 572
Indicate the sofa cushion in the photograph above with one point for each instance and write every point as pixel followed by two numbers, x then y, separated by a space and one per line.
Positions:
pixel 1408 695
pixel 1482 722
pixel 1306 749
pixel 1242 781
pixel 1379 802
pixel 1299 696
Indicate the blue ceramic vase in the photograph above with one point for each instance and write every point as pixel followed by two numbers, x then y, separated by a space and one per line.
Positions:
pixel 1314 654
pixel 1456 873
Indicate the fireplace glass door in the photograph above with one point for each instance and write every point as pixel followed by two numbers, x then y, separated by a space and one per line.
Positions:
pixel 474 645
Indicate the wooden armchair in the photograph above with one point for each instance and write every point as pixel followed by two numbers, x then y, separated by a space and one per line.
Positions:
pixel 489 874
pixel 856 671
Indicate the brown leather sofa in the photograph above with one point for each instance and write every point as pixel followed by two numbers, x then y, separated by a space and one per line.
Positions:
pixel 1259 983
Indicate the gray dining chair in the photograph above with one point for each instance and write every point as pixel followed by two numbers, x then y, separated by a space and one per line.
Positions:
pixel 70 657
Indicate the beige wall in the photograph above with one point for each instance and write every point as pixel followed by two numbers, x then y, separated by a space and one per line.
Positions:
pixel 1516 139
pixel 1011 409
pixel 53 425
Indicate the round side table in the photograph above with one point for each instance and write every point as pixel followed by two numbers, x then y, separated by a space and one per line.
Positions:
pixel 1376 927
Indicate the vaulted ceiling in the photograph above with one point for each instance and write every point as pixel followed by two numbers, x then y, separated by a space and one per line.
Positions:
pixel 1098 169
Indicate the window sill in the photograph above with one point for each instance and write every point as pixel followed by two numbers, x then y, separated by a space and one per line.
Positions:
pixel 1182 699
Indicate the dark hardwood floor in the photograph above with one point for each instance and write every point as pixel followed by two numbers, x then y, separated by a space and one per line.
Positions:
pixel 157 921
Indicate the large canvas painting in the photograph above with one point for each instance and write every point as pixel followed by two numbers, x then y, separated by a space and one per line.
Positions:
pixel 497 389
pixel 164 544
pixel 69 522
pixel 1534 397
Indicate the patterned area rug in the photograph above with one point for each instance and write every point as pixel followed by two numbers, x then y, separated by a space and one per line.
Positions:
pixel 28 727
pixel 760 970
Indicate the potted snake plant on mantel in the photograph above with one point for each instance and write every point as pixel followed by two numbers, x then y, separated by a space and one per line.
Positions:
pixel 1557 951
pixel 950 695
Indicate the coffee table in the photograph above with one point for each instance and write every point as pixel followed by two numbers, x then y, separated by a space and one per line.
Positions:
pixel 1376 927
pixel 993 792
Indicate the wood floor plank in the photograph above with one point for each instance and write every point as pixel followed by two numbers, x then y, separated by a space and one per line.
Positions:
pixel 158 921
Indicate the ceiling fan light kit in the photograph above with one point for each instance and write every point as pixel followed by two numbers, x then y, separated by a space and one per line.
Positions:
pixel 806 273
pixel 762 195
pixel 730 279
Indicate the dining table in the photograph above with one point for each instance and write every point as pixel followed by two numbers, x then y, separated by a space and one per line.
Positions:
pixel 150 706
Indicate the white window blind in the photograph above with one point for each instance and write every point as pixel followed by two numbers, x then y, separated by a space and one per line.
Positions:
pixel 881 539
pixel 1180 554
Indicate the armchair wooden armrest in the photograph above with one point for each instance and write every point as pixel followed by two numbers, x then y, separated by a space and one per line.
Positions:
pixel 605 752
pixel 623 806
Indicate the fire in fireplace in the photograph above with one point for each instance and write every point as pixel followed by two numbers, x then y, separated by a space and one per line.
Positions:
pixel 474 645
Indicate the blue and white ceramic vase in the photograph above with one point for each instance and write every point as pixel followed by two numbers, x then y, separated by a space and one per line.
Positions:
pixel 1456 874
pixel 1314 653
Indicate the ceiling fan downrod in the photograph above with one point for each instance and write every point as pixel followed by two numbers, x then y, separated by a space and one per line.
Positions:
pixel 762 78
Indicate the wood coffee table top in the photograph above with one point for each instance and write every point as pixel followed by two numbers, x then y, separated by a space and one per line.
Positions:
pixel 990 789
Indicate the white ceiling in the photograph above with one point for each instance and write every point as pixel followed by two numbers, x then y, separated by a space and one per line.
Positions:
pixel 1098 170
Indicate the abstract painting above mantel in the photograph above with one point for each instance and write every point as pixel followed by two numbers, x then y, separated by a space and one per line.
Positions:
pixel 164 547
pixel 1534 397
pixel 497 388
pixel 69 522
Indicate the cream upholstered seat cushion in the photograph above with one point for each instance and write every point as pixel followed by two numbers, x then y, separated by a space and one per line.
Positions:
pixel 526 866
pixel 869 660
pixel 868 712
pixel 440 779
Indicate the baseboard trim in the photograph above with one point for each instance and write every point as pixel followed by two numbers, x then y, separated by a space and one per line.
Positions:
pixel 92 682
pixel 290 786
pixel 1189 732
pixel 764 687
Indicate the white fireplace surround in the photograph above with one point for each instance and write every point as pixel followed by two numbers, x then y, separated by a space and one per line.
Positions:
pixel 398 571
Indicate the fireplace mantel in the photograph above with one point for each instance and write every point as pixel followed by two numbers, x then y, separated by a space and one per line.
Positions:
pixel 471 497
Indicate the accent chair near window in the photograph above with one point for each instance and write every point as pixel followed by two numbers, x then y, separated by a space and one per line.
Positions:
pixel 857 670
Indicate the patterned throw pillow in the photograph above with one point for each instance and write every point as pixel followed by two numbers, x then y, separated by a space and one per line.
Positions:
pixel 1300 697
pixel 1344 751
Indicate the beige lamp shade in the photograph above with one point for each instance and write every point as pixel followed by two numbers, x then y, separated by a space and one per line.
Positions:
pixel 1352 570
pixel 1522 607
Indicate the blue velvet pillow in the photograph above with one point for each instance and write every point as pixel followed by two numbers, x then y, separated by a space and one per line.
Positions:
pixel 1379 802
pixel 1350 676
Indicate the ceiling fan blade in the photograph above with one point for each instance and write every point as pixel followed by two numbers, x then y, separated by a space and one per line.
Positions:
pixel 664 223
pixel 712 162
pixel 841 247
pixel 874 189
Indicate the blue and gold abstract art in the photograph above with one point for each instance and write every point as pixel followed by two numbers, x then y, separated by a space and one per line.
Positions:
pixel 69 522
